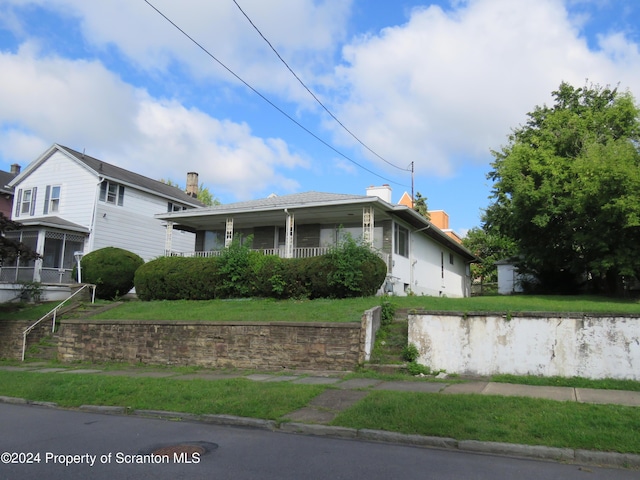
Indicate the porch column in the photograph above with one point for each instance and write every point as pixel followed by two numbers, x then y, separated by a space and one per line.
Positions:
pixel 367 225
pixel 228 236
pixel 168 238
pixel 37 266
pixel 289 236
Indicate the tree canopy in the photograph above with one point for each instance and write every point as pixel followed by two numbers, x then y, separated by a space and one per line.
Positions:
pixel 420 205
pixel 567 189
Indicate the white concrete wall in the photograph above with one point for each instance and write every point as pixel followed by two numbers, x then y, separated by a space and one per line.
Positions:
pixel 371 320
pixel 566 346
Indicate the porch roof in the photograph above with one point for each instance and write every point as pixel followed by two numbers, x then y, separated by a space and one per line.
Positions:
pixel 308 207
pixel 54 222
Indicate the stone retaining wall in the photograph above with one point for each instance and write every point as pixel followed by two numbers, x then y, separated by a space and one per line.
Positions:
pixel 250 345
pixel 11 336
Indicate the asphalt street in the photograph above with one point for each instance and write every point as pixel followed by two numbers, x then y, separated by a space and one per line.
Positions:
pixel 39 442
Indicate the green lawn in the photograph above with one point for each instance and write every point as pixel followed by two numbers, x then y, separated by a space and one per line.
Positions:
pixel 238 396
pixel 478 417
pixel 526 421
pixel 327 310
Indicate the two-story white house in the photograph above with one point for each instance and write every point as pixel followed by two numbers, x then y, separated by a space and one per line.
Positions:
pixel 420 257
pixel 70 202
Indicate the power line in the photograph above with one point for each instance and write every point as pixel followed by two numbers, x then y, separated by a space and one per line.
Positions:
pixel 310 92
pixel 265 98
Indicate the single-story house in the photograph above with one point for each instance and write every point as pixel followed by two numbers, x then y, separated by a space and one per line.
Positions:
pixel 421 259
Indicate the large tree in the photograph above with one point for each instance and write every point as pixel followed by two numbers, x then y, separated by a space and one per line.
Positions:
pixel 567 189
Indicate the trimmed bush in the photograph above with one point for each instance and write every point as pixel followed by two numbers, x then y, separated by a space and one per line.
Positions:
pixel 350 270
pixel 176 278
pixel 111 269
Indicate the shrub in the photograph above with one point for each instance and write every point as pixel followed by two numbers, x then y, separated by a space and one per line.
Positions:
pixel 235 279
pixel 348 271
pixel 176 278
pixel 111 269
pixel 354 270
pixel 388 311
pixel 410 353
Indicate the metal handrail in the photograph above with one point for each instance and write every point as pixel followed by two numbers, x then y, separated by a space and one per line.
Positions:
pixel 54 311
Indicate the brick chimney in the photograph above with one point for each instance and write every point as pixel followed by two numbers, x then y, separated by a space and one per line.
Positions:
pixel 192 184
pixel 15 169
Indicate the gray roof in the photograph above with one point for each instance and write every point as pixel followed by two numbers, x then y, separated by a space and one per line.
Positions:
pixel 109 171
pixel 54 222
pixel 5 178
pixel 292 200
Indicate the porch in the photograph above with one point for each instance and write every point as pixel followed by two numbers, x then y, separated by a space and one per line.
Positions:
pixel 304 252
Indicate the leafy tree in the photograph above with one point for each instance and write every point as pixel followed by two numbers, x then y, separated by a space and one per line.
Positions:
pixel 420 205
pixel 567 189
pixel 10 249
pixel 489 246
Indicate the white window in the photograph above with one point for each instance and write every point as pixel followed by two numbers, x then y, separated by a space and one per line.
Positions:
pixel 174 207
pixel 54 201
pixel 112 193
pixel 51 199
pixel 401 241
pixel 26 202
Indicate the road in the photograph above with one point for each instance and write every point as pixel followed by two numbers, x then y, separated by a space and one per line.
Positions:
pixel 64 444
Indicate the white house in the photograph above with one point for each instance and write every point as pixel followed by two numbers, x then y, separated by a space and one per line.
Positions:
pixel 420 257
pixel 68 201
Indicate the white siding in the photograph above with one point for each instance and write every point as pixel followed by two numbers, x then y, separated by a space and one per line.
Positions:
pixel 78 187
pixel 425 273
pixel 133 227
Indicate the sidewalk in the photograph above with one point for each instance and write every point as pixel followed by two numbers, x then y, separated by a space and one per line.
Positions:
pixel 313 418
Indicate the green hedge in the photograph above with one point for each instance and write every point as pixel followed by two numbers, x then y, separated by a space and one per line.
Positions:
pixel 111 269
pixel 350 270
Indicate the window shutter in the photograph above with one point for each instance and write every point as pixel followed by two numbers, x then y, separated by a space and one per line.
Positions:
pixel 47 194
pixel 18 202
pixel 103 191
pixel 121 195
pixel 33 201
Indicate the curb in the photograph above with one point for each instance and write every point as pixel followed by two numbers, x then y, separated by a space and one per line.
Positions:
pixel 538 452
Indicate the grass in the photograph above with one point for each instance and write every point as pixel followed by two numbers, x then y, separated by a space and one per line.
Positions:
pixel 330 310
pixel 575 382
pixel 499 419
pixel 239 396
pixel 253 310
pixel 525 303
pixel 478 417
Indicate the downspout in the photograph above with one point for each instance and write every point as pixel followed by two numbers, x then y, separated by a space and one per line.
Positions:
pixel 92 224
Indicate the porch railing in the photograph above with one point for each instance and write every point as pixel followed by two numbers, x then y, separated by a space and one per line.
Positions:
pixel 54 313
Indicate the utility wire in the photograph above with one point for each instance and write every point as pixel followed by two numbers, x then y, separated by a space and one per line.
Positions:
pixel 265 98
pixel 311 93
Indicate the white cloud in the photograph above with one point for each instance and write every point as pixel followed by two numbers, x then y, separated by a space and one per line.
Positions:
pixel 451 84
pixel 84 106
pixel 305 32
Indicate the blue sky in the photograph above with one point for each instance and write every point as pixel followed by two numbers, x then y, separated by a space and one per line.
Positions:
pixel 439 84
